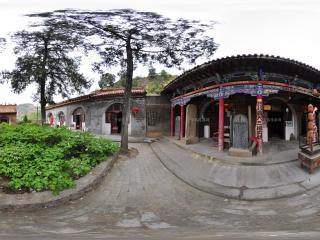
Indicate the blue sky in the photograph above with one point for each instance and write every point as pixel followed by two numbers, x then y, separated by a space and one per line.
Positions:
pixel 288 28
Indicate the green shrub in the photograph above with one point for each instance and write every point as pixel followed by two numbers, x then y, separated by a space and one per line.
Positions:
pixel 41 158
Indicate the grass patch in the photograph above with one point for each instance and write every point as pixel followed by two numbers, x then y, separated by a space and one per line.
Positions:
pixel 39 158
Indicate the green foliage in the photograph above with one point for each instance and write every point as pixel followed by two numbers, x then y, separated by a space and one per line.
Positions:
pixel 152 85
pixel 43 58
pixel 44 158
pixel 106 80
pixel 152 73
pixel 25 119
pixel 136 81
pixel 33 117
pixel 129 38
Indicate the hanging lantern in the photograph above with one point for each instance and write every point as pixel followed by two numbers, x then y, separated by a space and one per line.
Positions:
pixel 135 110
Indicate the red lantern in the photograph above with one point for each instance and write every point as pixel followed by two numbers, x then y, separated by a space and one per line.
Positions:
pixel 135 110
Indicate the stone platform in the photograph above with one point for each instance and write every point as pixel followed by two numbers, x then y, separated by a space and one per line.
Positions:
pixel 275 174
pixel 275 151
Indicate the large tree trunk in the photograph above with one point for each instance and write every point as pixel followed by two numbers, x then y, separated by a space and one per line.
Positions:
pixel 126 100
pixel 43 100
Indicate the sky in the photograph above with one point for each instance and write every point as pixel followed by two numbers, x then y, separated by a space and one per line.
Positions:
pixel 286 28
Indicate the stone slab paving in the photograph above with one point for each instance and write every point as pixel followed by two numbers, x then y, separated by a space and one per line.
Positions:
pixel 141 199
pixel 235 180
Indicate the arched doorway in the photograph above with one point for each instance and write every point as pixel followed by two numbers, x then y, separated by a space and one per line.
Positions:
pixel 79 118
pixel 4 119
pixel 61 118
pixel 209 120
pixel 113 117
pixel 279 118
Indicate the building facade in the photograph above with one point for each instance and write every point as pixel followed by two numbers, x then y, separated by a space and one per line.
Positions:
pixel 239 102
pixel 242 101
pixel 8 113
pixel 100 112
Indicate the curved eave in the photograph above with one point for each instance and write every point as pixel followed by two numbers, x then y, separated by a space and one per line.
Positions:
pixel 238 63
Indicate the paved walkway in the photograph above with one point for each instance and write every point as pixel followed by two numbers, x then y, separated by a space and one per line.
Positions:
pixel 141 199
pixel 227 179
pixel 117 138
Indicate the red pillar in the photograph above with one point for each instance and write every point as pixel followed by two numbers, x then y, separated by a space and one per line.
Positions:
pixel 259 120
pixel 172 122
pixel 221 124
pixel 181 121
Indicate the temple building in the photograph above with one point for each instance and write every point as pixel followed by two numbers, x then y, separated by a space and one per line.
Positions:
pixel 243 101
pixel 100 112
pixel 8 113
pixel 239 102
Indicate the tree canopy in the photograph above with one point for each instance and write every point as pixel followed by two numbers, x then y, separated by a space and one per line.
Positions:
pixel 106 80
pixel 43 58
pixel 152 73
pixel 129 37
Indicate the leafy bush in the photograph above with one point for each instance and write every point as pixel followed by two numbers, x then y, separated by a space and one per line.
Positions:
pixel 42 158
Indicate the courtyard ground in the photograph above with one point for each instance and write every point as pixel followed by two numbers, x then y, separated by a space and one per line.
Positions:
pixel 142 199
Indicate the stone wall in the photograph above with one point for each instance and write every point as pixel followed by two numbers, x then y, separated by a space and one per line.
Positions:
pixel 138 119
pixel 11 117
pixel 157 115
pixel 95 115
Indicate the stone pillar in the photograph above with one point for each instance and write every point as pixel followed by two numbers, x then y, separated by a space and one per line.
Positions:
pixel 311 135
pixel 221 124
pixel 182 121
pixel 172 122
pixel 259 121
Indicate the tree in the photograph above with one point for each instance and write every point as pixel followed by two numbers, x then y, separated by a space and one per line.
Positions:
pixel 152 73
pixel 43 59
pixel 106 80
pixel 25 119
pixel 130 37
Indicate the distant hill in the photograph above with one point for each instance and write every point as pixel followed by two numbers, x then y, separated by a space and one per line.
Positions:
pixel 26 109
pixel 153 83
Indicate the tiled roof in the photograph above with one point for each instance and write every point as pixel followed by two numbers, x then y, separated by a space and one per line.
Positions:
pixel 100 94
pixel 253 62
pixel 8 108
pixel 117 91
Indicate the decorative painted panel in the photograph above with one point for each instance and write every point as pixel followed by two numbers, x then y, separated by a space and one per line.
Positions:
pixel 263 88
